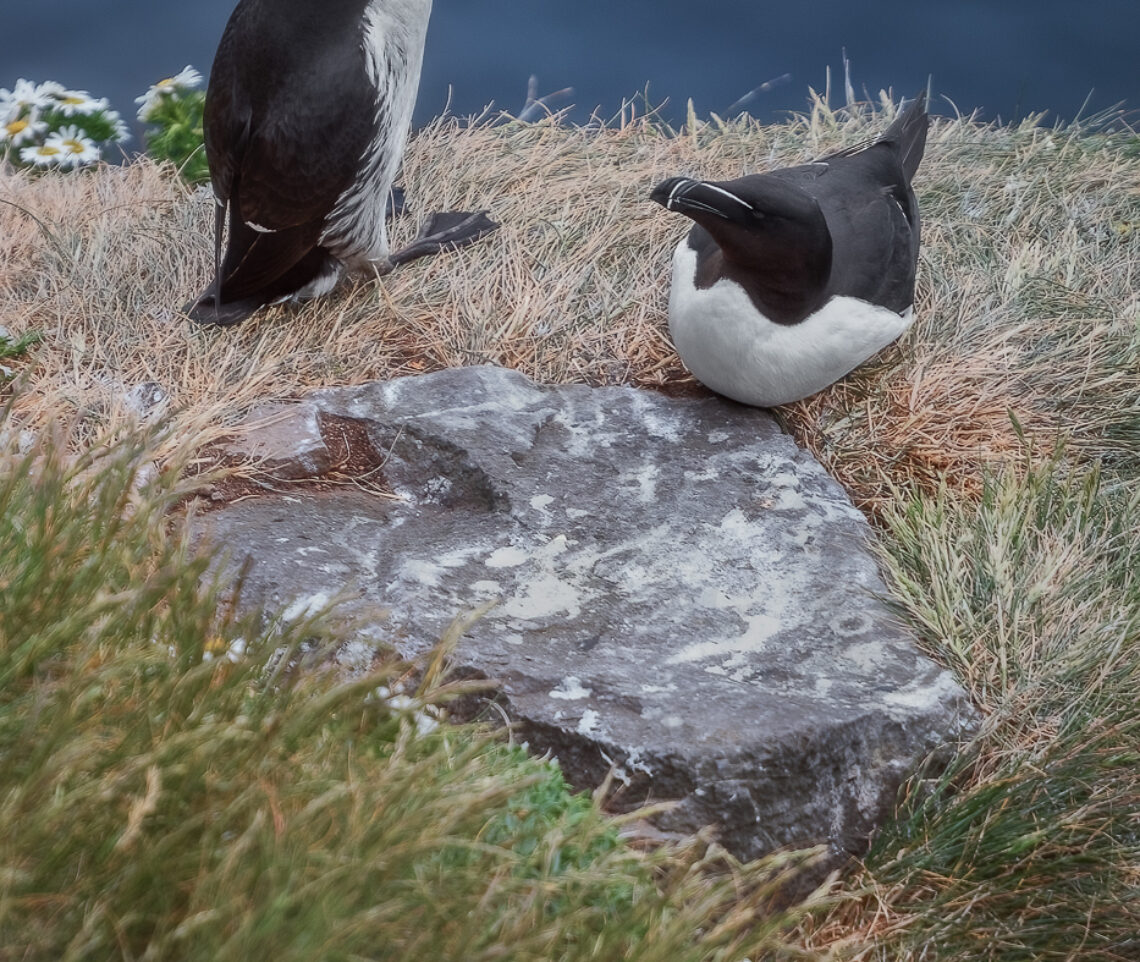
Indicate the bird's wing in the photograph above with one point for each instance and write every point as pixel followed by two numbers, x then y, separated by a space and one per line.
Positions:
pixel 284 142
pixel 872 217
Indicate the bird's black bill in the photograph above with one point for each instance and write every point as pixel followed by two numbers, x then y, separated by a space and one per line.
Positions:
pixel 665 192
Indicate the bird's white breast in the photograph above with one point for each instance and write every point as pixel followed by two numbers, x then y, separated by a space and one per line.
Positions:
pixel 733 349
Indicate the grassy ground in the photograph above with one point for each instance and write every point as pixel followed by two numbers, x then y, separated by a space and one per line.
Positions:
pixel 997 445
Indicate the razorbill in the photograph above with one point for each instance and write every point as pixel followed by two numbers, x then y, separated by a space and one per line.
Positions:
pixel 788 280
pixel 307 115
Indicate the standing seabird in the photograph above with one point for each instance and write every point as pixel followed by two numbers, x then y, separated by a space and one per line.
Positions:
pixel 788 280
pixel 307 115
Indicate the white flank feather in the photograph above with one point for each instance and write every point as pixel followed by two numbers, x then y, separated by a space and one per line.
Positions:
pixel 394 35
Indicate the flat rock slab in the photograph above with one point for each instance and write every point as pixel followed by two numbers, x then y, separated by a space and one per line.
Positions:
pixel 681 594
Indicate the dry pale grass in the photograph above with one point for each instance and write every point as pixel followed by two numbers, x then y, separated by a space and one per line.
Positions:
pixel 1027 312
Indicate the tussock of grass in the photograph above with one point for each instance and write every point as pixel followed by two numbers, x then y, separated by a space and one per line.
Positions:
pixel 1027 848
pixel 159 803
pixel 1004 589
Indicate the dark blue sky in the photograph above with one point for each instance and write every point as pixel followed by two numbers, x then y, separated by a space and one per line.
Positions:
pixel 1006 57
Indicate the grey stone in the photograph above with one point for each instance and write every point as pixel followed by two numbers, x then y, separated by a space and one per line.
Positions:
pixel 147 399
pixel 284 439
pixel 680 594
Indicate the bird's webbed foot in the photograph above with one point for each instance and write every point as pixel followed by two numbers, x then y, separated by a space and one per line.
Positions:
pixel 447 230
pixel 205 311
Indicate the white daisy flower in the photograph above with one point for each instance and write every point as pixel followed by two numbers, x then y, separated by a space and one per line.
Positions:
pixel 42 155
pixel 49 92
pixel 186 79
pixel 148 101
pixel 25 96
pixel 423 716
pixel 122 131
pixel 72 102
pixel 216 648
pixel 75 148
pixel 20 130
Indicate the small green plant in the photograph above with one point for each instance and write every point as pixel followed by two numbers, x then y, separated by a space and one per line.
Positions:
pixel 17 345
pixel 47 126
pixel 14 346
pixel 172 109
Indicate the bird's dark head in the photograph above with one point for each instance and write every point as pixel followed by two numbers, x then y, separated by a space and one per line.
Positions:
pixel 757 202
pixel 769 235
pixel 751 217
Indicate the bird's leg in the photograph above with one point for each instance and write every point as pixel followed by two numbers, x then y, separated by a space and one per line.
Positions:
pixel 219 224
pixel 448 230
pixel 397 203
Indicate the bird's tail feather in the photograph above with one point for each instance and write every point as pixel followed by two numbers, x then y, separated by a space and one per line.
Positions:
pixel 909 132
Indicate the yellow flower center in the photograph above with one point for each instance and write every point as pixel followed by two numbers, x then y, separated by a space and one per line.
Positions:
pixel 73 146
pixel 74 100
pixel 48 151
pixel 16 126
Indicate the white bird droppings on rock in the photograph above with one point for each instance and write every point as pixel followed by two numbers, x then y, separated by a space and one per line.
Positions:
pixel 306 606
pixel 590 722
pixel 508 557
pixel 570 689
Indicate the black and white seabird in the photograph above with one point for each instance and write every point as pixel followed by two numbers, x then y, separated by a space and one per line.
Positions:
pixel 788 280
pixel 307 115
